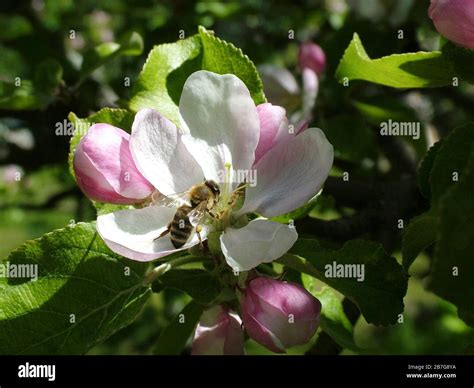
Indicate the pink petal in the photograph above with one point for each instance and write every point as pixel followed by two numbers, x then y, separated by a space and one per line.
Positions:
pixel 290 174
pixel 250 307
pixel 279 314
pixel 105 169
pixel 454 19
pixel 274 128
pixel 219 332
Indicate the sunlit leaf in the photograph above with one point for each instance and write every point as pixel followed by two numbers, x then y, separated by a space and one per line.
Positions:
pixel 411 70
pixel 379 295
pixel 84 293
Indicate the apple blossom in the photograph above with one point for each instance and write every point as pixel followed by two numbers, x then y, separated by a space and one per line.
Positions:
pixel 104 167
pixel 219 135
pixel 219 332
pixel 281 87
pixel 278 314
pixel 454 19
pixel 312 56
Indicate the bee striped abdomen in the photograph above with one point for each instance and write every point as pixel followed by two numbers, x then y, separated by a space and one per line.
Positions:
pixel 181 228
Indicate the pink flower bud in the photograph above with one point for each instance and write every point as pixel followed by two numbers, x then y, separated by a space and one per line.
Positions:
pixel 312 56
pixel 12 173
pixel 454 19
pixel 219 332
pixel 105 169
pixel 279 314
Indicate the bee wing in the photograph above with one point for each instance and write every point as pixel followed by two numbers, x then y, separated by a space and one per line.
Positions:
pixel 172 200
pixel 197 214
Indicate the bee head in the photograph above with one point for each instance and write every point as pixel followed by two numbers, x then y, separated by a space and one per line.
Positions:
pixel 214 187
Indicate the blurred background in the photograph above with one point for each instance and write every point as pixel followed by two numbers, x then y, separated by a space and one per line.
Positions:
pixel 38 195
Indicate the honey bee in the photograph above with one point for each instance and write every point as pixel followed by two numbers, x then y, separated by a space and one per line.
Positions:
pixel 191 207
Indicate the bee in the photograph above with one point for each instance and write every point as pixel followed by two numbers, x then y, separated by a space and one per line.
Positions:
pixel 191 207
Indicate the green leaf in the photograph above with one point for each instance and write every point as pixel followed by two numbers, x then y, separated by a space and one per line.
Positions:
pixel 450 160
pixel 421 232
pixel 453 266
pixel 130 45
pixel 162 78
pixel 462 59
pixel 383 108
pixel 11 63
pixel 222 57
pixel 200 284
pixel 84 293
pixel 168 66
pixel 30 95
pixel 14 26
pixel 48 76
pixel 174 337
pixel 333 318
pixel 352 139
pixel 22 97
pixel 379 296
pixel 424 171
pixel 411 70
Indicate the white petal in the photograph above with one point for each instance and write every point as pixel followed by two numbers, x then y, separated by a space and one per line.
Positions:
pixel 280 86
pixel 132 233
pixel 222 122
pixel 290 174
pixel 261 241
pixel 310 93
pixel 160 155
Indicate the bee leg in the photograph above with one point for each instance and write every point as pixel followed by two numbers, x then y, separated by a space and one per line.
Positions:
pixel 164 233
pixel 198 232
pixel 214 215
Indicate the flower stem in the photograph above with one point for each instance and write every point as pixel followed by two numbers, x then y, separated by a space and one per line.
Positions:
pixel 156 272
pixel 269 270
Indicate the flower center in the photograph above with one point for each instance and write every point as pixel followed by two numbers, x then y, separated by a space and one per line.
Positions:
pixel 228 200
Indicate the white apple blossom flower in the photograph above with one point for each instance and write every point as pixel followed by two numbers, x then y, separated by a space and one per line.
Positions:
pixel 220 129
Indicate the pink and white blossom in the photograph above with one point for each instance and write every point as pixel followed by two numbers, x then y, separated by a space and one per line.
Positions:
pixel 282 88
pixel 219 332
pixel 221 130
pixel 104 167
